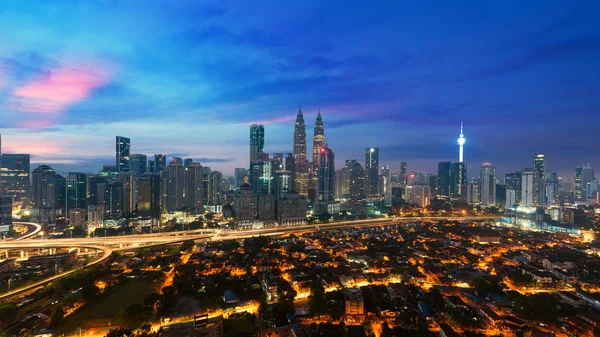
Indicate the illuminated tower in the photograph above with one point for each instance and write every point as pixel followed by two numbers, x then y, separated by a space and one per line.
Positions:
pixel 318 144
pixel 301 164
pixel 461 143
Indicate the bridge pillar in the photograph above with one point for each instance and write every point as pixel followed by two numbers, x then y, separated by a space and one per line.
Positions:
pixel 78 250
pixel 22 254
pixel 120 245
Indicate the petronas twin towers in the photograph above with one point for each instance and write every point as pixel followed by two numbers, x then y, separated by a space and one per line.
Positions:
pixel 305 174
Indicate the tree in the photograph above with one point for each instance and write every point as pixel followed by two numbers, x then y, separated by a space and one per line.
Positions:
pixel 119 332
pixel 187 245
pixel 7 312
pixel 135 315
pixel 89 291
pixel 316 299
pixel 58 317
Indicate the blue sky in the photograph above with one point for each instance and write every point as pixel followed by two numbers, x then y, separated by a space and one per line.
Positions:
pixel 187 78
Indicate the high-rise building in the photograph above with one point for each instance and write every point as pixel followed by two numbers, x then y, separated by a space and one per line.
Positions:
pixel 160 163
pixel 461 142
pixel 177 160
pixel 385 185
pixel 48 193
pixel 76 191
pixel 356 185
pixel 257 142
pixel 300 162
pixel 403 174
pixel 6 204
pixel 123 145
pixel 372 172
pixel 127 189
pixel 139 163
pixel 551 188
pixel 584 174
pixel 282 183
pixel 194 183
pixel 473 192
pixel 173 179
pixel 458 180
pixel 488 185
pixel 326 179
pixel 187 162
pixel 15 175
pixel 342 183
pixel 291 210
pixel 539 166
pixel 148 196
pixel 513 182
pixel 529 189
pixel 215 193
pixel 444 178
pixel 419 195
pixel 239 175
pixel 511 198
pixel 318 144
pixel 245 204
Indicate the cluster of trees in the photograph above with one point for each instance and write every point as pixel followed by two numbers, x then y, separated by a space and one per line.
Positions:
pixel 7 312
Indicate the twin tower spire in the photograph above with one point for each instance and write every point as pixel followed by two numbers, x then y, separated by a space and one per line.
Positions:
pixel 302 168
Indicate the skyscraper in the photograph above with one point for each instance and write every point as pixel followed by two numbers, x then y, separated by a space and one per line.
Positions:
pixel 123 144
pixel 194 183
pixel 529 188
pixel 458 180
pixel 76 191
pixel 326 179
pixel 148 196
pixel 318 144
pixel 488 185
pixel 139 163
pixel 173 179
pixel 513 183
pixel 372 172
pixel 215 195
pixel 356 185
pixel 444 178
pixel 239 174
pixel 300 161
pixel 403 174
pixel 461 142
pixel 257 142
pixel 584 174
pixel 539 166
pixel 48 192
pixel 385 185
pixel 15 175
pixel 160 162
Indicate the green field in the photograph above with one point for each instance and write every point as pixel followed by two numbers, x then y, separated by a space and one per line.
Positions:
pixel 110 304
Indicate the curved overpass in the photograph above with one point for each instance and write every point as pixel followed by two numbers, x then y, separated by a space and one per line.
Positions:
pixel 36 230
pixel 106 253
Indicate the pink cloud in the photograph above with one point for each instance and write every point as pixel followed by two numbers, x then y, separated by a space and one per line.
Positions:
pixel 55 91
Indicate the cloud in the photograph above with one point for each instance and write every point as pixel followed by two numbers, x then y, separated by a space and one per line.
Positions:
pixel 214 160
pixel 534 55
pixel 53 92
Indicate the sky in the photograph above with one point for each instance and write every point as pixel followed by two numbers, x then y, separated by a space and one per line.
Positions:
pixel 187 78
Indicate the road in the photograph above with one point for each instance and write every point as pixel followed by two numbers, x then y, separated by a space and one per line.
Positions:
pixel 106 253
pixel 213 234
pixel 36 231
pixel 107 244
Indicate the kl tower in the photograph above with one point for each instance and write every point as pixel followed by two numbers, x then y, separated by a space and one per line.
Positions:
pixel 461 142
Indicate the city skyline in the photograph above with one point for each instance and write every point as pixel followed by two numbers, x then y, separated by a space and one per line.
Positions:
pixel 177 92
